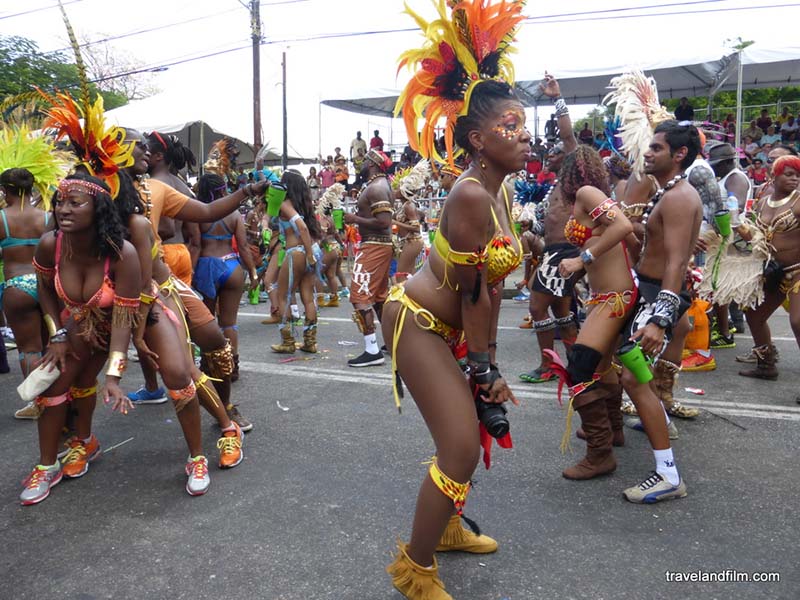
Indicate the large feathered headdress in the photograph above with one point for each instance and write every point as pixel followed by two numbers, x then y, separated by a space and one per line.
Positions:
pixel 639 112
pixel 102 150
pixel 462 49
pixel 21 149
pixel 413 179
pixel 331 199
pixel 221 157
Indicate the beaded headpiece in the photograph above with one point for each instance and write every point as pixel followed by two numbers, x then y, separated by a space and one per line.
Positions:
pixel 221 157
pixel 380 159
pixel 67 186
pixel 413 179
pixel 462 49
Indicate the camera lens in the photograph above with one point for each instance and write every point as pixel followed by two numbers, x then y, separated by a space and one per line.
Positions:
pixel 493 417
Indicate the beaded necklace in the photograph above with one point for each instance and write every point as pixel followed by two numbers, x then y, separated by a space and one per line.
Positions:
pixel 652 204
pixel 374 177
pixel 145 189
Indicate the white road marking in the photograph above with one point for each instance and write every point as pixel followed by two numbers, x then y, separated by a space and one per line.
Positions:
pixel 380 379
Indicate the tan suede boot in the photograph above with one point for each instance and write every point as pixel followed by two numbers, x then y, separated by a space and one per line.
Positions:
pixel 599 459
pixel 287 341
pixel 416 582
pixel 458 539
pixel 766 357
pixel 310 338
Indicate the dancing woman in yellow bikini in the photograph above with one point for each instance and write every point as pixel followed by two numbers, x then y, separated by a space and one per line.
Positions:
pixel 464 76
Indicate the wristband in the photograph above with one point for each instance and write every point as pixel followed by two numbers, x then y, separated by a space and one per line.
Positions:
pixel 117 363
pixel 587 257
pixel 59 336
pixel 51 325
pixel 478 357
pixel 666 306
pixel 488 377
pixel 561 107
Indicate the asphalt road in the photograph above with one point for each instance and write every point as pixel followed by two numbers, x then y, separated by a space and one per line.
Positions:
pixel 331 473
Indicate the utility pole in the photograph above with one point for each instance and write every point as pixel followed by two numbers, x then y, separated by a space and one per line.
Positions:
pixel 284 158
pixel 255 27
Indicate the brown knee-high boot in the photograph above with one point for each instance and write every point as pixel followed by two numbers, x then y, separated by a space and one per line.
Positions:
pixel 599 459
pixel 613 400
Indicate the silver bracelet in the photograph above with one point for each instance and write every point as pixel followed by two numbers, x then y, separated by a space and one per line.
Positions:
pixel 561 107
pixel 667 305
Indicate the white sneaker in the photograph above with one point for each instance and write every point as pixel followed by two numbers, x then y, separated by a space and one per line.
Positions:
pixel 197 472
pixel 654 489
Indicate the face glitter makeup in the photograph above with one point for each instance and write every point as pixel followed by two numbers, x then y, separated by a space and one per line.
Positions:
pixel 512 123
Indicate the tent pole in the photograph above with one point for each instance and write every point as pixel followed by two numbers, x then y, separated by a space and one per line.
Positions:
pixel 738 137
pixel 285 158
pixel 202 154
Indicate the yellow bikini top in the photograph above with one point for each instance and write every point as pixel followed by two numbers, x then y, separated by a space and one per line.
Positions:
pixel 501 255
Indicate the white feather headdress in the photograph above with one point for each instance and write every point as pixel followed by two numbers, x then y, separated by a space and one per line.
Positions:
pixel 639 111
pixel 331 199
pixel 411 181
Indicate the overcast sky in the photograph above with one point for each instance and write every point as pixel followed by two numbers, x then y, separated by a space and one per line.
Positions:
pixel 561 36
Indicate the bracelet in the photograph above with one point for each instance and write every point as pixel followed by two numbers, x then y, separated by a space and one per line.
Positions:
pixel 556 99
pixel 667 305
pixel 478 357
pixel 50 324
pixel 145 299
pixel 561 107
pixel 587 257
pixel 117 363
pixel 488 377
pixel 59 337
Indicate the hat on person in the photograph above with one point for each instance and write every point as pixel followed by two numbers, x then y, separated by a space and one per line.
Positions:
pixel 380 159
pixel 719 152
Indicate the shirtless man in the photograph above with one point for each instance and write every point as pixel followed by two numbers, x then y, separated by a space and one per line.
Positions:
pixel 550 291
pixel 672 226
pixel 369 280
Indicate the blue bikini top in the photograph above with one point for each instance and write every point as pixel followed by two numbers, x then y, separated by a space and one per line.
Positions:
pixel 221 238
pixel 11 242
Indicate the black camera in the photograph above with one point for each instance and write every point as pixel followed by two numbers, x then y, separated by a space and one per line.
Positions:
pixel 493 416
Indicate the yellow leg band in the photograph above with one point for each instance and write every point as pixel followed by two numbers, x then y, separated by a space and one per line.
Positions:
pixel 207 391
pixel 77 393
pixel 457 492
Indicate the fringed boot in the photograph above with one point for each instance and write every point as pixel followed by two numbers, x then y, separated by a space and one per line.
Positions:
pixel 414 581
pixel 458 539
pixel 765 364
pixel 310 338
pixel 287 341
pixel 665 374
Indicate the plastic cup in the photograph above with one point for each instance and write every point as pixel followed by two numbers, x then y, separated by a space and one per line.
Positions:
pixel 252 296
pixel 634 360
pixel 518 228
pixel 431 235
pixel 276 194
pixel 338 218
pixel 281 256
pixel 723 220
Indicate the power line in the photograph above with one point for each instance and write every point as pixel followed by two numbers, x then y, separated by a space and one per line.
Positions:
pixel 35 10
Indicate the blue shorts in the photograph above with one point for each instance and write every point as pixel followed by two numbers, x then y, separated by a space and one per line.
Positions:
pixel 211 273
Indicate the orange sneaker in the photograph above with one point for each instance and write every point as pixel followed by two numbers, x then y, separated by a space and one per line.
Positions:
pixel 698 362
pixel 80 454
pixel 527 323
pixel 230 447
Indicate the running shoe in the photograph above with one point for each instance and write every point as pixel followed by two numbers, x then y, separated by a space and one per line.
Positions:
pixel 344 293
pixel 6 333
pixel 80 454
pixel 263 297
pixel 749 357
pixel 672 430
pixel 236 416
pixel 29 411
pixel 654 489
pixel 538 375
pixel 367 360
pixel 698 362
pixel 720 341
pixel 527 323
pixel 197 472
pixel 145 396
pixel 522 297
pixel 230 447
pixel 628 408
pixel 38 484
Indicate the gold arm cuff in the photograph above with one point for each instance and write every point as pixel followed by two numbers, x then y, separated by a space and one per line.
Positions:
pixel 51 326
pixel 117 363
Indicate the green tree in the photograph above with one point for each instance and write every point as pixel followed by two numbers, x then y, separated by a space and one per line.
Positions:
pixel 23 66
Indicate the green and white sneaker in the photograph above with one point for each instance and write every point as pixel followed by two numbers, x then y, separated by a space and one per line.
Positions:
pixel 654 489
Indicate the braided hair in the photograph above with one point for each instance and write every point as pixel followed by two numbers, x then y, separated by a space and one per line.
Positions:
pixel 210 187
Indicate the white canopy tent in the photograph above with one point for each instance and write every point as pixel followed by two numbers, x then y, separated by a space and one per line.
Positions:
pixel 677 76
pixel 196 133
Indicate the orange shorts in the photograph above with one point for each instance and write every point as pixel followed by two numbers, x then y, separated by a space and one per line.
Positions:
pixel 179 261
pixel 369 281
pixel 197 313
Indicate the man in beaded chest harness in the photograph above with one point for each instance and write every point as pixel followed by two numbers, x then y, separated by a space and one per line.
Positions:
pixel 550 291
pixel 369 281
pixel 671 226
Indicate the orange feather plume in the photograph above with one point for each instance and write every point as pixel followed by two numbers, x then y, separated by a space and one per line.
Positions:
pixel 461 49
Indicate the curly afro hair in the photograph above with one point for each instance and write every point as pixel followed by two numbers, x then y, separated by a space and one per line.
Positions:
pixel 580 168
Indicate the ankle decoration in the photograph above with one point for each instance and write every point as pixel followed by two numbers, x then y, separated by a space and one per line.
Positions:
pixel 180 398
